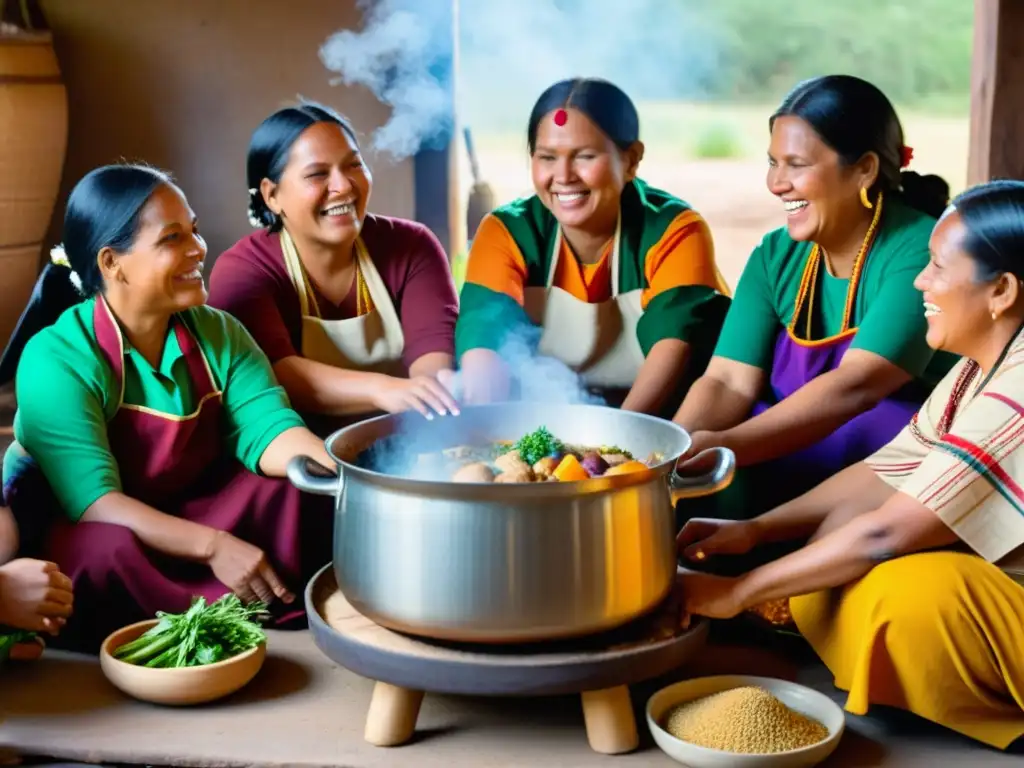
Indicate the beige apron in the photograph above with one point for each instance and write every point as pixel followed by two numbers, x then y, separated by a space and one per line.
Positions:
pixel 598 341
pixel 371 342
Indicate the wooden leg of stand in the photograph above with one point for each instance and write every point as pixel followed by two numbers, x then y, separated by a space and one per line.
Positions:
pixel 391 720
pixel 611 726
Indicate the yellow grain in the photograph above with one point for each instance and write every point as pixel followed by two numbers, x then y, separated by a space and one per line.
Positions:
pixel 747 720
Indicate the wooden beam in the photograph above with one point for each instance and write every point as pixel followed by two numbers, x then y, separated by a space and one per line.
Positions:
pixel 997 92
pixel 435 170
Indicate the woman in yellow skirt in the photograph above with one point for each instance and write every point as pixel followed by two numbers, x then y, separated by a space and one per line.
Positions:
pixel 911 584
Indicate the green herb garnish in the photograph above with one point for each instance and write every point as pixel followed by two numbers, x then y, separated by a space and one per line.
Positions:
pixel 538 444
pixel 614 450
pixel 204 634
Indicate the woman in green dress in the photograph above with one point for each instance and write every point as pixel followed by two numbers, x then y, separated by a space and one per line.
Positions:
pixel 823 358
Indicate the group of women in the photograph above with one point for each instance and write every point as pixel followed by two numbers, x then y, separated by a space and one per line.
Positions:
pixel 866 373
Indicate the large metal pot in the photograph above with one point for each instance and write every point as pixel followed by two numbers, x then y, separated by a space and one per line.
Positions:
pixel 489 562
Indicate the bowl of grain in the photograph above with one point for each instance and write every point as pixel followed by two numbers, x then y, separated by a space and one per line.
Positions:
pixel 737 721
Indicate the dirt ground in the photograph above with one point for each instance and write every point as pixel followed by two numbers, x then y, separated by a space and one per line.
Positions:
pixel 729 193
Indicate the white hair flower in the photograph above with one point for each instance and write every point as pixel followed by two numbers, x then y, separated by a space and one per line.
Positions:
pixel 59 257
pixel 77 282
pixel 253 219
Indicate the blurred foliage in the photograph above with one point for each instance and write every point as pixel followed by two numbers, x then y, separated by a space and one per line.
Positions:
pixel 917 51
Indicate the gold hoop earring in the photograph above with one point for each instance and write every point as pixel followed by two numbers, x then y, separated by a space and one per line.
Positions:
pixel 864 198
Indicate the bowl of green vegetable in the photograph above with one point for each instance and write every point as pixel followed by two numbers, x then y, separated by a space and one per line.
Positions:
pixel 201 655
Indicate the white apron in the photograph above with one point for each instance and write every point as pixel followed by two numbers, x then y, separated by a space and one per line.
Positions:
pixel 598 341
pixel 371 342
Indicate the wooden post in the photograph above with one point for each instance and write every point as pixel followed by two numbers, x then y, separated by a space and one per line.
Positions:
pixel 997 91
pixel 435 169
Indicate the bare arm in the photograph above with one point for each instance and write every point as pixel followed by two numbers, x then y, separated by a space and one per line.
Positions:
pixel 297 441
pixel 658 376
pixel 901 526
pixel 165 533
pixel 9 540
pixel 815 410
pixel 722 397
pixel 315 387
pixel 431 364
pixel 484 377
pixel 854 491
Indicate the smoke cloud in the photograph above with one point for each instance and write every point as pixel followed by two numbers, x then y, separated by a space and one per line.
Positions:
pixel 508 53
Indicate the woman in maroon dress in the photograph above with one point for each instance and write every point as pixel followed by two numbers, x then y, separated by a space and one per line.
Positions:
pixel 150 427
pixel 356 311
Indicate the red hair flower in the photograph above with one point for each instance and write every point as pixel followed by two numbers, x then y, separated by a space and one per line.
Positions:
pixel 906 155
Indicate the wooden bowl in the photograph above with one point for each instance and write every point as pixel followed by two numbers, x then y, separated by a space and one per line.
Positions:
pixel 797 697
pixel 177 687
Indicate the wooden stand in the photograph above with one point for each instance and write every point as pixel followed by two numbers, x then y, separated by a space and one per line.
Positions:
pixel 608 715
pixel 404 668
pixel 391 720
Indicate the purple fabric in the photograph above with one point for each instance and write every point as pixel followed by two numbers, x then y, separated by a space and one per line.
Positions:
pixel 793 366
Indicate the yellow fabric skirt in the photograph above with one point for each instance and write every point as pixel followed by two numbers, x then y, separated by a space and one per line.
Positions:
pixel 940 634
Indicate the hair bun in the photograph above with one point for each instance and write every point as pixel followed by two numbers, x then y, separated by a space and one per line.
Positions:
pixel 928 193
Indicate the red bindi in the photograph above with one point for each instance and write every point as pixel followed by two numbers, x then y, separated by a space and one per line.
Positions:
pixel 561 116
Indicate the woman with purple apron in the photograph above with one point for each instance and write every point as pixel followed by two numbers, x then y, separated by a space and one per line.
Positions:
pixel 823 358
pixel 152 438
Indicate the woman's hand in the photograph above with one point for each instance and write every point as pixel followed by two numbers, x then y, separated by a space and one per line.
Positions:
pixel 244 570
pixel 703 537
pixel 34 596
pixel 425 394
pixel 700 441
pixel 703 594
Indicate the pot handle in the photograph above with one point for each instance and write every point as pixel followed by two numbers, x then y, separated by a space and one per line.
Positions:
pixel 319 484
pixel 712 481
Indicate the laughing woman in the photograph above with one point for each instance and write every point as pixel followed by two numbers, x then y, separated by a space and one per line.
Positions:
pixel 610 276
pixel 911 589
pixel 150 429
pixel 356 311
pixel 823 358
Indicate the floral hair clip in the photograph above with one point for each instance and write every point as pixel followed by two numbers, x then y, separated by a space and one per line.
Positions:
pixel 60 257
pixel 254 221
pixel 906 155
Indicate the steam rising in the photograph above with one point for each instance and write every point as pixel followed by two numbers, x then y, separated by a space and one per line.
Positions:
pixel 509 52
pixel 538 379
pixel 403 56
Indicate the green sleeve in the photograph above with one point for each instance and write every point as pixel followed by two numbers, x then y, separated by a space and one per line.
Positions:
pixel 894 326
pixel 69 442
pixel 752 324
pixel 691 313
pixel 487 318
pixel 256 406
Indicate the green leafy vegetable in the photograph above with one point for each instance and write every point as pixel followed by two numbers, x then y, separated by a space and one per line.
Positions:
pixel 12 637
pixel 538 444
pixel 204 634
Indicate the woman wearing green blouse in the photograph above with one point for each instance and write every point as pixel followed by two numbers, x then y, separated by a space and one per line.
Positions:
pixel 822 358
pixel 152 426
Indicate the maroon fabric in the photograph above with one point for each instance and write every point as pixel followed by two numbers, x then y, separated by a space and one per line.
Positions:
pixel 250 281
pixel 179 468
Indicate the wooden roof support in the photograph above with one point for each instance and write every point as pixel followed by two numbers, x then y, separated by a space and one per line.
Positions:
pixel 997 91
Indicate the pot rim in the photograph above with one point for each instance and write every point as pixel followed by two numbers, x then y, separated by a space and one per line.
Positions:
pixel 504 492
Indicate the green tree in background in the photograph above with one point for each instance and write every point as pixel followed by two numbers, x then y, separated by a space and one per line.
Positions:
pixel 917 51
